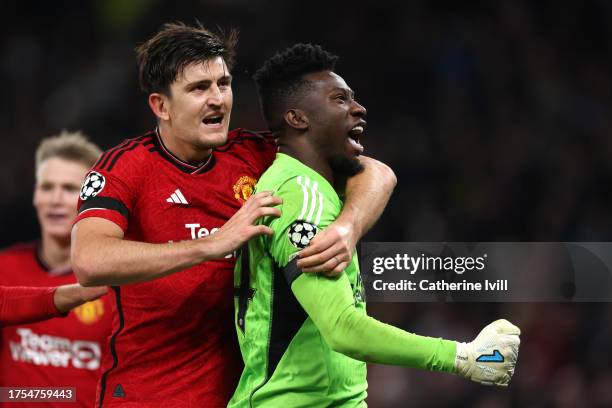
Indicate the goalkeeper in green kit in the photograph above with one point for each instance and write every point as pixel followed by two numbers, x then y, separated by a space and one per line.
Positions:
pixel 305 338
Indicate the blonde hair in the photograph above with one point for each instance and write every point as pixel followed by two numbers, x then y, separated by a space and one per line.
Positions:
pixel 72 146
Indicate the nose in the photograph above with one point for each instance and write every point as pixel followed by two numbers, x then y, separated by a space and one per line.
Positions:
pixel 358 110
pixel 216 97
pixel 56 196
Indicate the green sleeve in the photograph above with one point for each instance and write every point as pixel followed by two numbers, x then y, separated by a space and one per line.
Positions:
pixel 330 304
pixel 294 210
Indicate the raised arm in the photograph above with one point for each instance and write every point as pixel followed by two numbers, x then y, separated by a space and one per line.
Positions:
pixel 101 255
pixel 367 195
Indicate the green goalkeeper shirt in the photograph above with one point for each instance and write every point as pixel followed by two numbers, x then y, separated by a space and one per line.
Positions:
pixel 304 337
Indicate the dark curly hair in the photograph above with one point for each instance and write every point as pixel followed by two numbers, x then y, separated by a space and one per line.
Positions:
pixel 162 58
pixel 281 78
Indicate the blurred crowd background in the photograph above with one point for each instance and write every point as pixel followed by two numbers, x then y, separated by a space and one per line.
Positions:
pixel 495 116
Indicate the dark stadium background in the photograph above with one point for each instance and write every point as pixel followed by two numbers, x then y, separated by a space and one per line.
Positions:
pixel 495 117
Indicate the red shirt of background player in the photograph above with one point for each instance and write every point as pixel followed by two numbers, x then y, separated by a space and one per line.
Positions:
pixel 173 340
pixel 26 304
pixel 60 352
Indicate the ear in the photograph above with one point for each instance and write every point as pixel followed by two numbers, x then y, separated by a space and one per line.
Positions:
pixel 159 105
pixel 297 119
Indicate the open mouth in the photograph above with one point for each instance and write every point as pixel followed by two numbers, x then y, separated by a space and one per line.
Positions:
pixel 356 132
pixel 354 135
pixel 56 217
pixel 213 120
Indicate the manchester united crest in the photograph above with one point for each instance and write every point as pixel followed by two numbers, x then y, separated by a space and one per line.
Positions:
pixel 90 312
pixel 243 188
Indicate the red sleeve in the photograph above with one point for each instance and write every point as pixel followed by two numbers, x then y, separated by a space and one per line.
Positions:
pixel 108 190
pixel 20 304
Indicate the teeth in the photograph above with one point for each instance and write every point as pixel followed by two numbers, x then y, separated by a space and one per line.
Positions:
pixel 357 130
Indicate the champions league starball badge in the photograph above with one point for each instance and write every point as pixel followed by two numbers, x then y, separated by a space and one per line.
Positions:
pixel 301 233
pixel 93 184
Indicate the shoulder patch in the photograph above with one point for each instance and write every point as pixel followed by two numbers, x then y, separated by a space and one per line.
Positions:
pixel 93 184
pixel 301 233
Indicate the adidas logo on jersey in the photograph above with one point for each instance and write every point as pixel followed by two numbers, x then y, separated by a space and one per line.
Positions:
pixel 177 198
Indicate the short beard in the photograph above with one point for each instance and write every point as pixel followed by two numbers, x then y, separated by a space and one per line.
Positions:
pixel 344 167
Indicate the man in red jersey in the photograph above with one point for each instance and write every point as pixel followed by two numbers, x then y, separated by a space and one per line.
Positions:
pixel 65 351
pixel 29 304
pixel 177 199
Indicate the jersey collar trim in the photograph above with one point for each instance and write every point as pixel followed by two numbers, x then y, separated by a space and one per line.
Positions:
pixel 180 164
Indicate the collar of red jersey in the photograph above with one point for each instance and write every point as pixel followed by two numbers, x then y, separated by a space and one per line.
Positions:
pixel 183 165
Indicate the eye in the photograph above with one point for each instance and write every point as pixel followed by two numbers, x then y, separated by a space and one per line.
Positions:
pixel 341 98
pixel 199 87
pixel 225 84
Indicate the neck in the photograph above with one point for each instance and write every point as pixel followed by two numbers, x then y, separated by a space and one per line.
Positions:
pixel 298 148
pixel 181 149
pixel 55 253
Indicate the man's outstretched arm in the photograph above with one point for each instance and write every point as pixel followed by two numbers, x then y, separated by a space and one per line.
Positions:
pixel 20 304
pixel 367 195
pixel 101 255
pixel 489 359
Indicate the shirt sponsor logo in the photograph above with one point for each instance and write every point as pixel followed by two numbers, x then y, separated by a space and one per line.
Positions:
pixel 90 312
pixel 197 231
pixel 243 188
pixel 46 350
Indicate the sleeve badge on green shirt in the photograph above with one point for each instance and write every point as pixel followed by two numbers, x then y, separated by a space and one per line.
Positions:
pixel 301 233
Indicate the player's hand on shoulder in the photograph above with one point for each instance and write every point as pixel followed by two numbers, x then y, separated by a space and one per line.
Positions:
pixel 491 357
pixel 241 227
pixel 330 251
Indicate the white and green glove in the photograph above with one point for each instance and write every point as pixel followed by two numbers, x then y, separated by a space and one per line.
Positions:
pixel 490 359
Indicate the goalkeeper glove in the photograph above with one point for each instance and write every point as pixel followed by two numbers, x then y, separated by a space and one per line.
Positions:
pixel 490 359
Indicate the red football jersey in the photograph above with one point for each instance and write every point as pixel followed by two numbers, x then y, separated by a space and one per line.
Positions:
pixel 59 352
pixel 25 304
pixel 173 339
